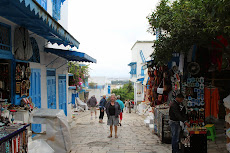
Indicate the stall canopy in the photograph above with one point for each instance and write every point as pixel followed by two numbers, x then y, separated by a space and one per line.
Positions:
pixel 29 14
pixel 71 55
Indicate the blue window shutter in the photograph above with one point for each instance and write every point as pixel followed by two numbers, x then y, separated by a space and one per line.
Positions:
pixel 142 56
pixel 43 3
pixel 56 9
pixel 142 71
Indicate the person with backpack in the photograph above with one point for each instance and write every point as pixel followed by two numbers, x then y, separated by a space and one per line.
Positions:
pixel 121 106
pixel 92 103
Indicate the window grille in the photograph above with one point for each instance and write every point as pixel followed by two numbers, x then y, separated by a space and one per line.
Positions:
pixel 36 55
pixel 5 38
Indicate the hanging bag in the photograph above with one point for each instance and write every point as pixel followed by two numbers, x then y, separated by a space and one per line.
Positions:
pixel 160 90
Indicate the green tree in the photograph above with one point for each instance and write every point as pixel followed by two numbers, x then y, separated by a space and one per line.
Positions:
pixel 126 92
pixel 80 74
pixel 188 22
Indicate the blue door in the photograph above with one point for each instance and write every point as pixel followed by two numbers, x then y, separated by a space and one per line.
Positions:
pixel 51 89
pixel 62 93
pixel 35 94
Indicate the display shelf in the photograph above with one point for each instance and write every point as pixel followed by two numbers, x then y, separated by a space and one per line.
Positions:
pixel 14 133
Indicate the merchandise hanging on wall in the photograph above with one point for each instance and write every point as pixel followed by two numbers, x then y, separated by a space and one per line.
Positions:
pixel 22 77
pixel 195 98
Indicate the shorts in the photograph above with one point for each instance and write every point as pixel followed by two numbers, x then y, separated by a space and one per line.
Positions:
pixel 93 109
pixel 112 120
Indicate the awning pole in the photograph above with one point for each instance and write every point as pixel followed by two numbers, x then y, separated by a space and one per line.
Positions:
pixel 52 61
pixel 62 65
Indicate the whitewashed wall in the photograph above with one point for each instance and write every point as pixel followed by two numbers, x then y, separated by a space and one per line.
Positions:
pixel 147 50
pixel 99 92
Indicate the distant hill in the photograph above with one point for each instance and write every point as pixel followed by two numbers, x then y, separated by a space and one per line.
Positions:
pixel 119 82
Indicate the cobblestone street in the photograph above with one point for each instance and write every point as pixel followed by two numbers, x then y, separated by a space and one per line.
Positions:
pixel 89 136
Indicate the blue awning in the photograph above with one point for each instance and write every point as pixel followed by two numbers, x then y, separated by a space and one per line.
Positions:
pixel 132 63
pixel 140 80
pixel 29 14
pixel 71 55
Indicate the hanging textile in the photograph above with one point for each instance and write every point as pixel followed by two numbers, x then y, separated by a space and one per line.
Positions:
pixel 211 102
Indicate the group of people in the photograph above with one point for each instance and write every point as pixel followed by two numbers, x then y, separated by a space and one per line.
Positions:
pixel 113 108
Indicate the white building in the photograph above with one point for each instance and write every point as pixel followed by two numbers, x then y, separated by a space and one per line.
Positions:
pixel 34 34
pixel 101 86
pixel 141 52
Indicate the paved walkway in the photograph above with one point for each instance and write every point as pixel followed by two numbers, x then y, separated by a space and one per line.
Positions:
pixel 133 137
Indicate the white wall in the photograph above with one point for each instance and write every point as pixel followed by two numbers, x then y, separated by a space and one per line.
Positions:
pixel 99 92
pixel 147 50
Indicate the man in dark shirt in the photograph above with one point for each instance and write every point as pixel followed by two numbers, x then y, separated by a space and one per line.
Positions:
pixel 176 114
pixel 102 108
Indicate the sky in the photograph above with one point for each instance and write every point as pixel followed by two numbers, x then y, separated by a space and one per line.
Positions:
pixel 107 29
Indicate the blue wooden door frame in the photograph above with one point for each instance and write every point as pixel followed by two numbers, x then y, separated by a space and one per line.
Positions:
pixel 62 93
pixel 35 94
pixel 51 90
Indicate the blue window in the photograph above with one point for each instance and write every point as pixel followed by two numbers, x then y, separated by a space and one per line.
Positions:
pixel 142 56
pixel 142 71
pixel 5 39
pixel 133 66
pixel 43 3
pixel 56 9
pixel 133 70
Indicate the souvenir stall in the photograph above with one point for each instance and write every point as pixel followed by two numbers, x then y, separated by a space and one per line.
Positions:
pixel 14 119
pixel 195 137
pixel 206 81
pixel 159 88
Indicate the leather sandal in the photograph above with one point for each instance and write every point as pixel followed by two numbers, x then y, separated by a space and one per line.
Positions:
pixel 110 136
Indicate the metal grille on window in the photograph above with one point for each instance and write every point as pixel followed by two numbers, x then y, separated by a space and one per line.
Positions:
pixel 4 38
pixel 50 72
pixel 36 54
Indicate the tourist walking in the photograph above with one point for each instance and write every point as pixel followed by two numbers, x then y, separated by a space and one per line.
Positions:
pixel 92 102
pixel 121 106
pixel 102 108
pixel 130 106
pixel 113 110
pixel 126 105
pixel 176 114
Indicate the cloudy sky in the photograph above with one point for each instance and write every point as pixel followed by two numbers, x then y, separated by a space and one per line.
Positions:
pixel 107 29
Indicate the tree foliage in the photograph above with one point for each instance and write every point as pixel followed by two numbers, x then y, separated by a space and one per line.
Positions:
pixel 126 92
pixel 184 23
pixel 80 74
